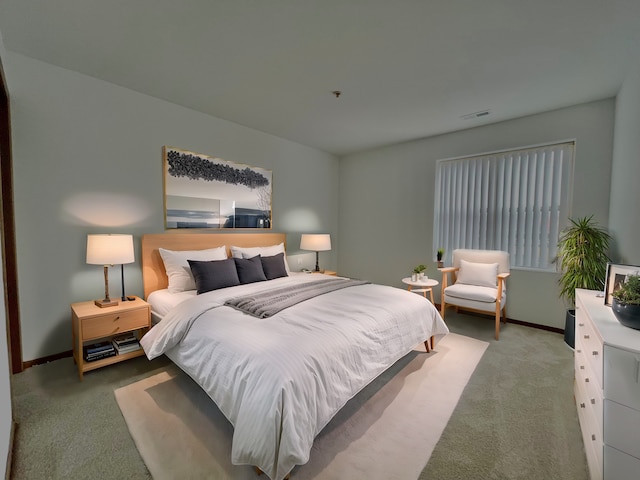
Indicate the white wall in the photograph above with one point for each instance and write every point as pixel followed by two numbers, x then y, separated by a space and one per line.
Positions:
pixel 624 221
pixel 386 199
pixel 6 413
pixel 87 159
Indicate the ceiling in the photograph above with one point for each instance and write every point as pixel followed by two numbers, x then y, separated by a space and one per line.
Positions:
pixel 407 68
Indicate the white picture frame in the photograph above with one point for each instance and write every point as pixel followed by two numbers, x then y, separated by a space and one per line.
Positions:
pixel 616 275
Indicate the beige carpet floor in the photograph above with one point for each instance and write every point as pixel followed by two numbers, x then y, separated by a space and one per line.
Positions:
pixel 387 431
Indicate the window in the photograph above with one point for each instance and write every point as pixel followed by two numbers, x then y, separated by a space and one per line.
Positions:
pixel 513 200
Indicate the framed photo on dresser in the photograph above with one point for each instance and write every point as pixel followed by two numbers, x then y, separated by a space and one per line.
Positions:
pixel 616 276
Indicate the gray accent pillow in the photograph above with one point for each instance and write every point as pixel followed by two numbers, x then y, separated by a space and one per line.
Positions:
pixel 214 274
pixel 250 270
pixel 273 266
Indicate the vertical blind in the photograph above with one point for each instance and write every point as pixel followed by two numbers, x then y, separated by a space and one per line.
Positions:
pixel 515 201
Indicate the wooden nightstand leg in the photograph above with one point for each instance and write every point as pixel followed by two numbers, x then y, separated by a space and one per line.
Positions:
pixel 77 344
pixel 80 362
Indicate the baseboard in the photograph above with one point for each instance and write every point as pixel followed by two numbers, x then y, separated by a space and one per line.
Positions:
pixel 517 322
pixel 538 326
pixel 12 436
pixel 47 359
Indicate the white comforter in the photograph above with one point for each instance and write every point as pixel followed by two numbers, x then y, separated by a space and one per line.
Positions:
pixel 280 380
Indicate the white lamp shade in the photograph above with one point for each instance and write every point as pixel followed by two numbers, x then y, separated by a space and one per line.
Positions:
pixel 316 242
pixel 109 249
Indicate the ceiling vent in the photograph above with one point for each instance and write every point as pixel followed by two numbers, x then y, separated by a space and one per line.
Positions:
pixel 470 116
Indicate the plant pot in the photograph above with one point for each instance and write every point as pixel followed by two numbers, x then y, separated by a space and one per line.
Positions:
pixel 570 328
pixel 627 315
pixel 440 264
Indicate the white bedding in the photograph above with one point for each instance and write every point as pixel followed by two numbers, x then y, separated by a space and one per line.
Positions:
pixel 280 380
pixel 162 301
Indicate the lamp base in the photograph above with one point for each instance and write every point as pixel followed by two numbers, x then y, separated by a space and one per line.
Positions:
pixel 107 302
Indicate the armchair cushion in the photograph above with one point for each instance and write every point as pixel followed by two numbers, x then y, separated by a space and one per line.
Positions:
pixel 480 274
pixel 472 292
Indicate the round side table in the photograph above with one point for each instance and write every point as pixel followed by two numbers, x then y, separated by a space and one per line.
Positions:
pixel 421 286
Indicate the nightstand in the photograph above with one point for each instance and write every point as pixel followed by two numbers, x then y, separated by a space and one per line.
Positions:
pixel 92 323
pixel 326 272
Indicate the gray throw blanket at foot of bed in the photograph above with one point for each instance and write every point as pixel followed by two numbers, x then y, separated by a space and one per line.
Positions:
pixel 267 304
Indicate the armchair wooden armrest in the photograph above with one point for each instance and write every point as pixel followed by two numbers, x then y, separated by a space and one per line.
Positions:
pixel 502 279
pixel 445 278
pixel 448 269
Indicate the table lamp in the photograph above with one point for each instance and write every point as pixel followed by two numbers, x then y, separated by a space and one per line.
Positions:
pixel 319 242
pixel 106 250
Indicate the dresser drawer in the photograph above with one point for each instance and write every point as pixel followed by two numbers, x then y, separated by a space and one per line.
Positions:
pixel 107 325
pixel 593 396
pixel 591 431
pixel 589 344
pixel 622 428
pixel 622 376
pixel 619 465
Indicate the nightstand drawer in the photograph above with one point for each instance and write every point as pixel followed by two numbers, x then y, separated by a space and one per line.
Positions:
pixel 111 324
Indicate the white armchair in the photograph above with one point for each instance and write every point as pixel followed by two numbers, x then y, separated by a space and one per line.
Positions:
pixel 478 283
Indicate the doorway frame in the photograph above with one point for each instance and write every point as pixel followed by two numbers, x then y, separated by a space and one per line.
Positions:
pixel 8 237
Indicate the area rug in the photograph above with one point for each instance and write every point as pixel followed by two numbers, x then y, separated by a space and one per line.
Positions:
pixel 387 431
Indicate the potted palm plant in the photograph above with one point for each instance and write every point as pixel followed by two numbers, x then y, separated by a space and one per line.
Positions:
pixel 582 258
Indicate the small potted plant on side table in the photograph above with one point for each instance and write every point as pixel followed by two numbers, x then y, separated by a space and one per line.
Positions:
pixel 439 256
pixel 418 272
pixel 626 302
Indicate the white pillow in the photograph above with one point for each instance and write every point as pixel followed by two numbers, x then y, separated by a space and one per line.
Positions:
pixel 178 270
pixel 480 274
pixel 250 252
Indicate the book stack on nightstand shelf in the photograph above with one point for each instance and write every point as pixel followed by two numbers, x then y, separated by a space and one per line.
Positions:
pixel 103 336
pixel 98 351
pixel 126 343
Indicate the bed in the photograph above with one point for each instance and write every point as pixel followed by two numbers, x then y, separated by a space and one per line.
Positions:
pixel 279 376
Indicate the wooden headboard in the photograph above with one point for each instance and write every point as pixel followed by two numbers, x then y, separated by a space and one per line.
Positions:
pixel 153 272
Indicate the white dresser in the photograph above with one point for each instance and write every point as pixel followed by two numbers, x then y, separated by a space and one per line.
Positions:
pixel 607 389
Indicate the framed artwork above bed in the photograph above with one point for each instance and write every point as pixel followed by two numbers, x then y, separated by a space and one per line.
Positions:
pixel 201 191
